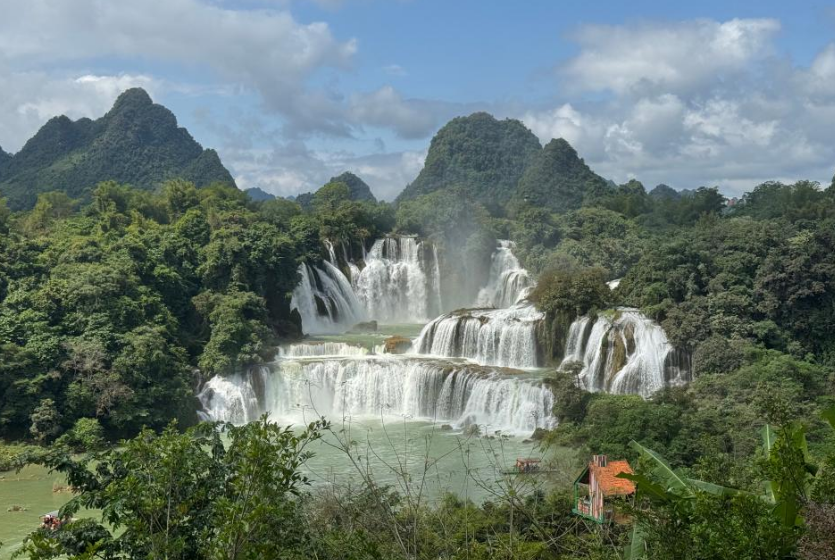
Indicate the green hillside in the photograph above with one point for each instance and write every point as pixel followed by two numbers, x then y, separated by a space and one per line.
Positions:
pixel 137 142
pixel 479 156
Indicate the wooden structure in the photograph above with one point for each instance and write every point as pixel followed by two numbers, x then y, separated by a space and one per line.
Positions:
pixel 598 485
pixel 527 466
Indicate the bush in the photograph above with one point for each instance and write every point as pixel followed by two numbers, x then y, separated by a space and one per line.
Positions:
pixel 86 435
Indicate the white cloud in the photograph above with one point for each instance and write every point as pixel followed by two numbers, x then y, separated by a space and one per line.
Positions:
pixel 292 168
pixel 395 70
pixel 31 98
pixel 264 50
pixel 695 103
pixel 675 57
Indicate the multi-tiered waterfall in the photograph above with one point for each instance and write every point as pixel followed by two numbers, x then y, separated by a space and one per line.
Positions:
pixel 623 351
pixel 401 281
pixel 502 332
pixel 454 392
pixel 508 283
pixel 458 371
pixel 500 337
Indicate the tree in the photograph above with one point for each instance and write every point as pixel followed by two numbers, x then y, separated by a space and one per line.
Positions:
pixel 46 421
pixel 185 495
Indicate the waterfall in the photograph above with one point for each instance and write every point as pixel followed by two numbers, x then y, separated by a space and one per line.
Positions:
pixel 508 282
pixel 625 353
pixel 321 348
pixel 394 286
pixel 395 386
pixel 499 337
pixel 325 300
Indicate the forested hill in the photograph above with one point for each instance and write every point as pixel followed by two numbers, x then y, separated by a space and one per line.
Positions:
pixel 479 156
pixel 501 165
pixel 137 142
pixel 358 190
pixel 558 179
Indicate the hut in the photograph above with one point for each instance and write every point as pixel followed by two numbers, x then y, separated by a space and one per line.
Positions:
pixel 598 486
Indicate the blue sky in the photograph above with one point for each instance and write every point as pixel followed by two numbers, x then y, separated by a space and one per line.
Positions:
pixel 291 92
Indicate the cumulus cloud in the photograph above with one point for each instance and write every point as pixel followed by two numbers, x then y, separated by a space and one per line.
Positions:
pixel 685 104
pixel 292 168
pixel 31 98
pixel 674 56
pixel 408 118
pixel 264 50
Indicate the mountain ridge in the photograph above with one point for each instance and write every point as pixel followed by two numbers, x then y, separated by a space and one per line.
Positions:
pixel 137 142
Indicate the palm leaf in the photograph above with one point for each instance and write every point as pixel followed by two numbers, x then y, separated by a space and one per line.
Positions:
pixel 769 438
pixel 636 548
pixel 663 472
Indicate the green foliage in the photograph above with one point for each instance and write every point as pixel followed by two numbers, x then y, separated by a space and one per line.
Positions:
pixel 186 495
pixel 136 142
pixel 578 293
pixel 557 179
pixel 478 157
pixel 86 434
pixel 46 421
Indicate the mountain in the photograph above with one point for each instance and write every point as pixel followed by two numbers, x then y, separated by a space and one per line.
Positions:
pixel 558 179
pixel 360 191
pixel 137 142
pixel 358 188
pixel 5 158
pixel 664 192
pixel 478 155
pixel 258 195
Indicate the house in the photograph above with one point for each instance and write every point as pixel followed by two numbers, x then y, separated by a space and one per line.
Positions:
pixel 597 487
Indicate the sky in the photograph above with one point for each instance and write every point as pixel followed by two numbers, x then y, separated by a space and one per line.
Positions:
pixel 293 92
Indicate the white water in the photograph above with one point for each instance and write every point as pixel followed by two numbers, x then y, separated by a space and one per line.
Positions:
pixel 398 284
pixel 626 353
pixel 321 348
pixel 296 390
pixel 498 337
pixel 508 282
pixel 334 293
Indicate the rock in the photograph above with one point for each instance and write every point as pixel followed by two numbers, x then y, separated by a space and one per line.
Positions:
pixel 446 428
pixel 370 326
pixel 398 345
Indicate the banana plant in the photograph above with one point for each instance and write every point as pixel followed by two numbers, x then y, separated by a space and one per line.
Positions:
pixel 788 463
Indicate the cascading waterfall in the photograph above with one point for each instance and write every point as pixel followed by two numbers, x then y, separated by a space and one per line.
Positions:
pixel 325 300
pixel 625 353
pixel 394 286
pixel 499 337
pixel 508 282
pixel 444 391
pixel 321 348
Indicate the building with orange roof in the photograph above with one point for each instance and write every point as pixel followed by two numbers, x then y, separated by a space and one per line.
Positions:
pixel 597 487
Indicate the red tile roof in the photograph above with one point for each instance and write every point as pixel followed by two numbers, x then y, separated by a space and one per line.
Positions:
pixel 608 481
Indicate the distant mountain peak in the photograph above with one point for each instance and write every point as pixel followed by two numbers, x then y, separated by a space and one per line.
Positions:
pixel 359 188
pixel 137 142
pixel 559 179
pixel 133 97
pixel 479 156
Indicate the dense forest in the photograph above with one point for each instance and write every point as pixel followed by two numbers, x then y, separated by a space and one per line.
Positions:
pixel 115 304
